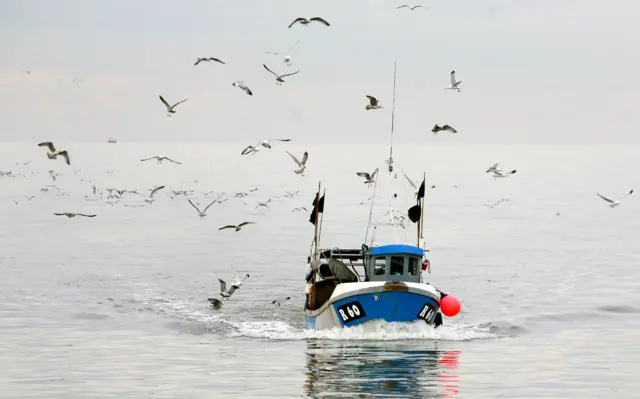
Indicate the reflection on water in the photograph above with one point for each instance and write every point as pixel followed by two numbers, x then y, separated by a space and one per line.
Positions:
pixel 408 369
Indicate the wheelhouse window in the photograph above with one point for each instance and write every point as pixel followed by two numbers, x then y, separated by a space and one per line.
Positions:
pixel 397 265
pixel 380 266
pixel 413 266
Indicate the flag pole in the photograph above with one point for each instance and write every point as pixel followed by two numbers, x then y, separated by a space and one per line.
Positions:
pixel 312 299
pixel 321 217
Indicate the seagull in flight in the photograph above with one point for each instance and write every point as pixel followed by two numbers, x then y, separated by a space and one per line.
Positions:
pixel 152 194
pixel 279 303
pixel 72 215
pixel 502 174
pixel 264 204
pixel 202 214
pixel 161 158
pixel 446 128
pixel 215 303
pixel 236 280
pixel 614 203
pixel 302 208
pixel 373 103
pixel 242 86
pixel 237 227
pixel 223 289
pixel 287 58
pixel 307 21
pixel 496 203
pixel 302 165
pixel 53 153
pixel 369 178
pixel 208 59
pixel 454 83
pixel 170 108
pixel 412 8
pixel 279 80
pixel 494 168
pixel 252 149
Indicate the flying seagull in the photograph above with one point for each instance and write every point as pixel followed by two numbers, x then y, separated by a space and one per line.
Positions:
pixel 302 165
pixel 152 194
pixel 171 107
pixel 202 214
pixel 252 149
pixel 369 178
pixel 299 209
pixel 373 103
pixel 411 7
pixel 244 87
pixel 454 83
pixel 53 153
pixel 287 58
pixel 223 289
pixel 446 128
pixel 237 227
pixel 72 215
pixel 236 280
pixel 207 59
pixel 215 303
pixel 614 203
pixel 307 21
pixel 494 168
pixel 160 158
pixel 501 174
pixel 279 80
pixel 279 303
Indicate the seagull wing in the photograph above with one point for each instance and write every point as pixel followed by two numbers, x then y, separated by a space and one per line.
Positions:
pixel 449 128
pixel 246 150
pixel 267 68
pixel 48 144
pixel 223 285
pixel 318 19
pixel 60 214
pixel 65 155
pixel 372 100
pixel 155 190
pixel 197 62
pixel 194 205
pixel 605 198
pixel 305 156
pixel 627 194
pixel 179 163
pixel 492 168
pixel 270 52
pixel 147 159
pixel 283 140
pixel 410 182
pixel 296 20
pixel 453 77
pixel 292 47
pixel 178 103
pixel 364 174
pixel 403 6
pixel 289 74
pixel 294 159
pixel 245 223
pixel 87 216
pixel 374 173
pixel 216 60
pixel 166 104
pixel 205 209
pixel 229 226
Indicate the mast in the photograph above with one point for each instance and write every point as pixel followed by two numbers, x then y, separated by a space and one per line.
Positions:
pixel 393 114
pixel 421 223
pixel 312 295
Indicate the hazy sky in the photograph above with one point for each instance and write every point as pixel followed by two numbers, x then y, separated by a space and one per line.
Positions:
pixel 538 71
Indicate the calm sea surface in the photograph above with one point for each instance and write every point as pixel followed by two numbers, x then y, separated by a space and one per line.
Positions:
pixel 116 305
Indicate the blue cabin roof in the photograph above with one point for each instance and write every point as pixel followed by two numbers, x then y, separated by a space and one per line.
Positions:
pixel 396 249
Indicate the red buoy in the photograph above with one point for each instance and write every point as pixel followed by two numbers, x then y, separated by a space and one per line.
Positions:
pixel 426 265
pixel 450 305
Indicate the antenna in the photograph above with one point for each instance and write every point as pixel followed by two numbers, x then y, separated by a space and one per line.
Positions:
pixel 373 198
pixel 393 114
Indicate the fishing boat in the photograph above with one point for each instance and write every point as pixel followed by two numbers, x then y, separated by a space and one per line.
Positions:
pixel 111 140
pixel 346 287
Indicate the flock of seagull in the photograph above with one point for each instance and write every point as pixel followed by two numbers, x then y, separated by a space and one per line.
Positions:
pixel 227 290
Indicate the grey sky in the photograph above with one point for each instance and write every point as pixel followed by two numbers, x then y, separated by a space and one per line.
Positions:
pixel 539 71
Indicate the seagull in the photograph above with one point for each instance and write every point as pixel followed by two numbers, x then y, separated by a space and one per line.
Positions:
pixel 279 80
pixel 205 59
pixel 454 83
pixel 223 289
pixel 494 168
pixel 287 58
pixel 373 103
pixel 280 302
pixel 500 173
pixel 53 153
pixel 238 227
pixel 236 280
pixel 411 7
pixel 301 164
pixel 202 214
pixel 299 209
pixel 263 204
pixel 171 107
pixel 307 21
pixel 495 203
pixel 446 128
pixel 72 215
pixel 27 71
pixel 244 87
pixel 614 203
pixel 215 303
pixel 252 149
pixel 160 158
pixel 369 178
pixel 152 194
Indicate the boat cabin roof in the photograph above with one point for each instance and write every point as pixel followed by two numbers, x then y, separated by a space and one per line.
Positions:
pixel 396 249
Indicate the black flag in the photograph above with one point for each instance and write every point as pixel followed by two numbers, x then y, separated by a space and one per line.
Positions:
pixel 415 211
pixel 318 207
